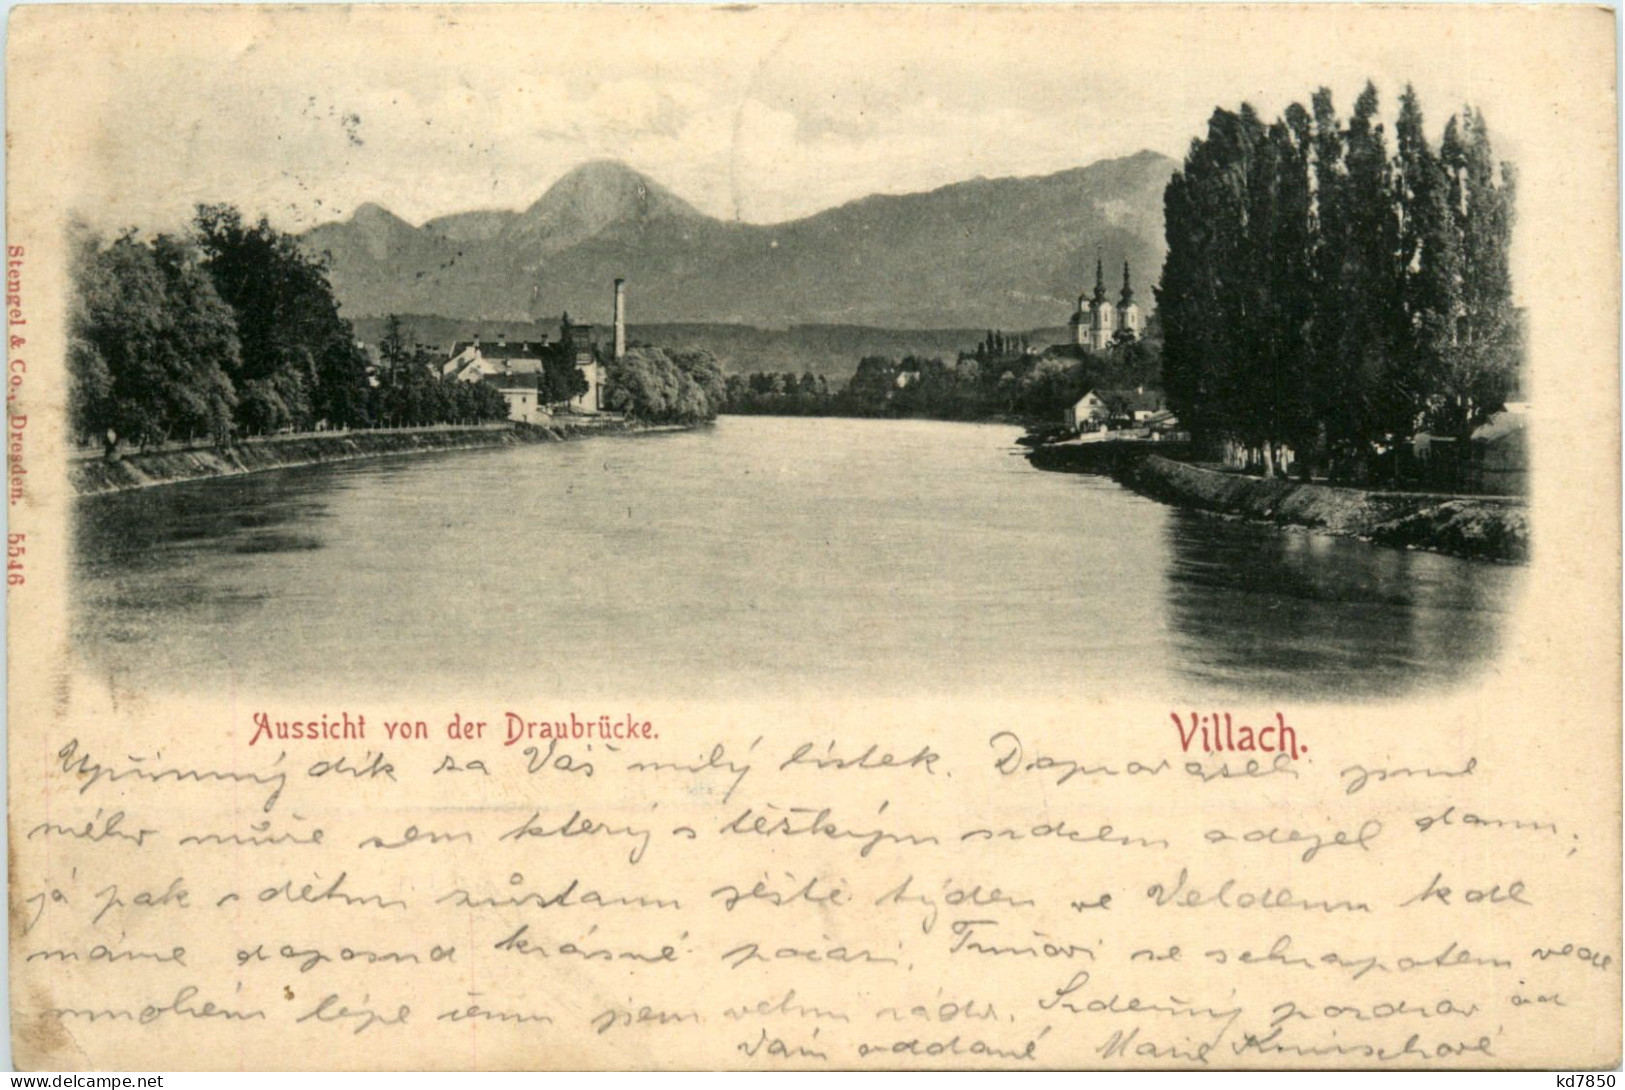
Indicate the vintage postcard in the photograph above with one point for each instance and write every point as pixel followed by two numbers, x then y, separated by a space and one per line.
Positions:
pixel 813 537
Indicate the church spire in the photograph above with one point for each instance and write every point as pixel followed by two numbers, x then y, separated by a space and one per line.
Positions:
pixel 1100 279
pixel 1128 289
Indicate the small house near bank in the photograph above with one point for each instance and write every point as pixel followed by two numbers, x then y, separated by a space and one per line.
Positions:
pixel 1131 407
pixel 1163 424
pixel 522 392
pixel 1088 413
pixel 1115 409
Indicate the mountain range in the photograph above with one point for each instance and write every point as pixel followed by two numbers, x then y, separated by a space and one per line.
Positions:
pixel 1008 253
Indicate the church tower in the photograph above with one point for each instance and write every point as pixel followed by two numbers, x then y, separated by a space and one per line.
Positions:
pixel 1130 319
pixel 1078 325
pixel 1102 315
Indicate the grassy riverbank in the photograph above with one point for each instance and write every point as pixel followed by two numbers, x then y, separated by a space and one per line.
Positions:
pixel 92 476
pixel 1480 527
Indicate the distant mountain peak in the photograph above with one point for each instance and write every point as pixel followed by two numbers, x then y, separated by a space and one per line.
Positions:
pixel 602 172
pixel 610 185
pixel 373 212
pixel 1007 252
pixel 591 199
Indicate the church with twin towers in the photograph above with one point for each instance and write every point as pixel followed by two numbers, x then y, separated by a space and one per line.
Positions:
pixel 1098 323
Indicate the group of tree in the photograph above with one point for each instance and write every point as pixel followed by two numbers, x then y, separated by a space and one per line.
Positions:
pixel 881 385
pixel 152 347
pixel 231 331
pixel 777 393
pixel 931 388
pixel 1000 345
pixel 1324 294
pixel 1017 384
pixel 1054 384
pixel 661 386
pixel 561 379
pixel 411 392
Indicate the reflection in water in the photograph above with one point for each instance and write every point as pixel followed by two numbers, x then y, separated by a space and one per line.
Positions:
pixel 1320 615
pixel 164 557
pixel 787 556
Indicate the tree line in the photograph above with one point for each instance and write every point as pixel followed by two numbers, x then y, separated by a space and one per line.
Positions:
pixel 665 386
pixel 1001 380
pixel 229 331
pixel 411 391
pixel 1325 295
pixel 777 393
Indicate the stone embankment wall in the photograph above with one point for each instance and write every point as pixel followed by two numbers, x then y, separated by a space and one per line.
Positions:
pixel 96 475
pixel 1490 527
pixel 1482 527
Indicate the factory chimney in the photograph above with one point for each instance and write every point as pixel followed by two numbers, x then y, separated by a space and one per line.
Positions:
pixel 620 317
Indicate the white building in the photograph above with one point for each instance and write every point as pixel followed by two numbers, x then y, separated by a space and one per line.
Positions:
pixel 517 368
pixel 1089 411
pixel 1098 323
pixel 522 395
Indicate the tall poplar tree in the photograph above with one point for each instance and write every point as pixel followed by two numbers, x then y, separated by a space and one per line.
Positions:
pixel 1329 244
pixel 1203 210
pixel 1483 369
pixel 1430 275
pixel 1371 393
pixel 1318 293
pixel 1290 269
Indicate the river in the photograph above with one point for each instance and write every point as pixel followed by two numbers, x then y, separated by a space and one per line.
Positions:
pixel 796 557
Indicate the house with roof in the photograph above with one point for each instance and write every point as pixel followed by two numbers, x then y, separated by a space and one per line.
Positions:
pixel 1088 413
pixel 473 360
pixel 1126 408
pixel 1099 408
pixel 518 368
pixel 1163 424
pixel 522 392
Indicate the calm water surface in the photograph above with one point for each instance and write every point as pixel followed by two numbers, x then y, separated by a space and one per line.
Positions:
pixel 783 555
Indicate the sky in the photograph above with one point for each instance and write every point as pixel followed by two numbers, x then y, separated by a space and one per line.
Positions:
pixel 756 114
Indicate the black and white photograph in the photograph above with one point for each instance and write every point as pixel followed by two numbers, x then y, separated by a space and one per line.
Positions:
pixel 813 537
pixel 895 379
